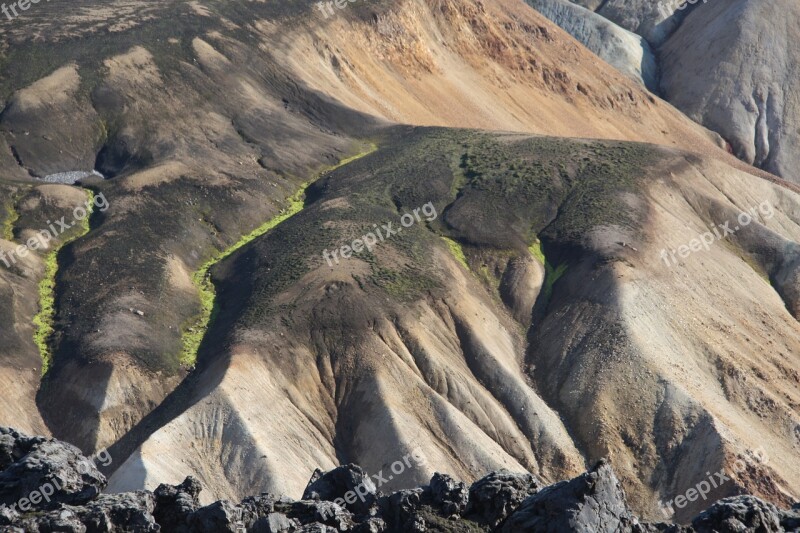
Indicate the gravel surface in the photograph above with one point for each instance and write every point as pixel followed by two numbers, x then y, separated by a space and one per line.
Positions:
pixel 69 178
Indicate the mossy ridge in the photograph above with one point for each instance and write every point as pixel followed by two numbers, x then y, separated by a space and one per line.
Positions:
pixel 570 186
pixel 457 251
pixel 195 330
pixel 12 215
pixel 536 251
pixel 44 320
pixel 551 274
pixel 405 284
pixel 501 191
pixel 41 59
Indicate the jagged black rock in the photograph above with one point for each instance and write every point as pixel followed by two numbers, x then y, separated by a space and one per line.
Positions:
pixel 502 501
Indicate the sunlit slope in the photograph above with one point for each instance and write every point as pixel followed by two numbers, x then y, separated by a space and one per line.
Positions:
pixel 462 63
pixel 661 368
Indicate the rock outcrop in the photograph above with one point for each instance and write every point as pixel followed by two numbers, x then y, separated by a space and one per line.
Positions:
pixel 45 471
pixel 593 501
pixel 501 501
pixel 727 65
pixel 624 50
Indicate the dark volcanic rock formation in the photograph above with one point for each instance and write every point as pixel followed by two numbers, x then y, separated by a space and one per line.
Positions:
pixel 593 501
pixel 501 501
pixel 45 472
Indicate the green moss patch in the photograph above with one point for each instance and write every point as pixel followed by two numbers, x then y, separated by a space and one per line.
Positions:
pixel 536 251
pixel 551 274
pixel 195 330
pixel 11 218
pixel 45 318
pixel 457 251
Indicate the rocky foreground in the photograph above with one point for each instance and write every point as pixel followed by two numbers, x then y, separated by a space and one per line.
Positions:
pixel 48 486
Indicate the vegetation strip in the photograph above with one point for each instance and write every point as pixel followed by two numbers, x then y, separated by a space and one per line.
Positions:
pixel 11 219
pixel 551 274
pixel 193 335
pixel 458 251
pixel 44 319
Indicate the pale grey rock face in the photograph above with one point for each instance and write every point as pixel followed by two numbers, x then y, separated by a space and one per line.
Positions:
pixel 627 52
pixel 589 4
pixel 733 67
pixel 653 20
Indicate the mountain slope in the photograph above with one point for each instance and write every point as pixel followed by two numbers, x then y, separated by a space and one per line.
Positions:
pixel 627 52
pixel 729 65
pixel 498 66
pixel 740 85
pixel 197 166
pixel 532 324
pixel 404 347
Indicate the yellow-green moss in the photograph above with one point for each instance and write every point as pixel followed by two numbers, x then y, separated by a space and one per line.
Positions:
pixel 536 251
pixel 551 274
pixel 457 251
pixel 44 319
pixel 196 329
pixel 488 277
pixel 11 218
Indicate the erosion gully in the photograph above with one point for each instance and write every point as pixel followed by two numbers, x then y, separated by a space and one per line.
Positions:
pixel 197 327
pixel 44 320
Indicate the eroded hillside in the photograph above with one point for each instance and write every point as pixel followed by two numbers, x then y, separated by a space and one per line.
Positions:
pixel 547 334
pixel 531 324
pixel 727 64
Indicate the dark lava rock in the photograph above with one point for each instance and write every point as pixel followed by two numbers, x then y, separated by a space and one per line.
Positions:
pixel 400 509
pixel 372 525
pixel 790 520
pixel 221 516
pixel 117 512
pixel 349 484
pixel 37 473
pixel 323 512
pixel 493 498
pixel 63 520
pixel 174 504
pixel 739 514
pixel 450 495
pixel 274 523
pixel 342 500
pixel 592 502
pixel 108 513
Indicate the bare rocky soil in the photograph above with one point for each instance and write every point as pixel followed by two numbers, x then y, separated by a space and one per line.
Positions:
pixel 545 318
